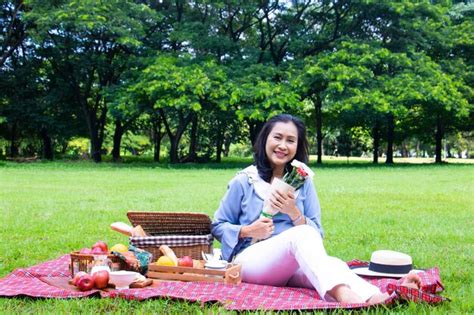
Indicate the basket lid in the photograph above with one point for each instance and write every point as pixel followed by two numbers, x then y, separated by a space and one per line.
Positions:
pixel 171 223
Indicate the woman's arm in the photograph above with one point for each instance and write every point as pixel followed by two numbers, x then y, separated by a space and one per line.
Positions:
pixel 312 209
pixel 226 225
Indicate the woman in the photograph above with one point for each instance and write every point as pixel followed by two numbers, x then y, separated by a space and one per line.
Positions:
pixel 290 251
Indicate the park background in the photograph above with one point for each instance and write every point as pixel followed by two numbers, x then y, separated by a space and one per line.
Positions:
pixel 154 105
pixel 192 81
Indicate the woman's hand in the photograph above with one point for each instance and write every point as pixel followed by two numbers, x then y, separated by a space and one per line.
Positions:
pixel 284 203
pixel 260 229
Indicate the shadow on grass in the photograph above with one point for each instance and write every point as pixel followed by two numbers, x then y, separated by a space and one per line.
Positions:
pixel 227 163
pixel 365 164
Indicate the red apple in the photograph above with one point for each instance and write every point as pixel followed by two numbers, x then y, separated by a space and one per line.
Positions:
pixel 77 276
pixel 185 261
pixel 85 250
pixel 85 283
pixel 102 245
pixel 101 279
pixel 97 251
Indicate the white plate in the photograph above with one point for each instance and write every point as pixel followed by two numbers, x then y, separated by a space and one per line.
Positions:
pixel 217 264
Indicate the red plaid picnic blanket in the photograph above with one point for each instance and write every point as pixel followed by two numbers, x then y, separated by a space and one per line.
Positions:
pixel 30 282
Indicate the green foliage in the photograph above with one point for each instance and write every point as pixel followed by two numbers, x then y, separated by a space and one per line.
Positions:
pixel 118 20
pixel 259 92
pixel 74 68
pixel 78 146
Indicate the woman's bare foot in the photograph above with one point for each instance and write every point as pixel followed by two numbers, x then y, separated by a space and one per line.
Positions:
pixel 412 280
pixel 342 293
pixel 377 298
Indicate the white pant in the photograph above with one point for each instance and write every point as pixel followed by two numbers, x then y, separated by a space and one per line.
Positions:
pixel 297 258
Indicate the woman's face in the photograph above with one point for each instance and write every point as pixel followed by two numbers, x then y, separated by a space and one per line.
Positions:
pixel 282 142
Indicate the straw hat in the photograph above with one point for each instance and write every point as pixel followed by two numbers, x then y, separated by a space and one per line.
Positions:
pixel 387 263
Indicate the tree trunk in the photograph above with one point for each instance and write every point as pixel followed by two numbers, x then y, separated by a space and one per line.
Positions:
pixel 96 146
pixel 405 150
pixel 319 134
pixel 390 136
pixel 219 142
pixel 13 145
pixel 96 128
pixel 176 137
pixel 118 133
pixel 95 124
pixel 254 129
pixel 193 139
pixel 64 147
pixel 156 139
pixel 439 138
pixel 174 150
pixel 47 144
pixel 376 137
pixel 219 150
pixel 173 139
pixel 226 145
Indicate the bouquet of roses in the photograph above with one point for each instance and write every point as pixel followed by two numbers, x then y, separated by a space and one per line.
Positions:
pixel 291 181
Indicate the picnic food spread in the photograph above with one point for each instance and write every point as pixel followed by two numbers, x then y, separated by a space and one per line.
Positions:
pixel 99 267
pixel 93 268
pixel 188 269
pixel 163 246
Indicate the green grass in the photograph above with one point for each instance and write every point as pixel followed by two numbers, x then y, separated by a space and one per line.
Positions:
pixel 49 209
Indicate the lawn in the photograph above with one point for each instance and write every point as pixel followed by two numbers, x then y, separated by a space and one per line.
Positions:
pixel 427 211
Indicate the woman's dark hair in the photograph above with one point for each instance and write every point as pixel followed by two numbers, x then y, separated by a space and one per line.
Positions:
pixel 260 157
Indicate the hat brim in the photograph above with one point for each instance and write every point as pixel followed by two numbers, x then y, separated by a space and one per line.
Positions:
pixel 364 271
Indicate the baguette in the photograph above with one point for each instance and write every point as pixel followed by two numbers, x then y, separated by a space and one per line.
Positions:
pixel 169 252
pixel 121 227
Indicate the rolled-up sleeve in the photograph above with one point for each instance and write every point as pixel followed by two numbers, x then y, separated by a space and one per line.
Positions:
pixel 226 224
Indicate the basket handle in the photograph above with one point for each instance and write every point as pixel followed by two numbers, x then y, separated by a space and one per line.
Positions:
pixel 235 275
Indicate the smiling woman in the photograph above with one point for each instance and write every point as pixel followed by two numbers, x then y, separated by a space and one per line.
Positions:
pixel 289 251
pixel 282 139
pixel 281 146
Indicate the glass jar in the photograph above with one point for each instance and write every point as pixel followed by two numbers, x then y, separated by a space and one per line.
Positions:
pixel 101 262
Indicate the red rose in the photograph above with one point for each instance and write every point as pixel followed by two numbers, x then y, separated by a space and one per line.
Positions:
pixel 302 172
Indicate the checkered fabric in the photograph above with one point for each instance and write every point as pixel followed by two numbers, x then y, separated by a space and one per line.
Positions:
pixel 430 285
pixel 27 282
pixel 171 240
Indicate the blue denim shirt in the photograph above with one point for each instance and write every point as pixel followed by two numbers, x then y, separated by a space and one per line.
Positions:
pixel 242 204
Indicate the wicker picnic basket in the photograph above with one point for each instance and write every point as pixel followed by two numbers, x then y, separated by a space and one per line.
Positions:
pixel 187 233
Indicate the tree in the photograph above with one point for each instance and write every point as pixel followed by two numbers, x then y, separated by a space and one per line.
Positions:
pixel 87 43
pixel 332 77
pixel 439 101
pixel 259 92
pixel 13 30
pixel 178 90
